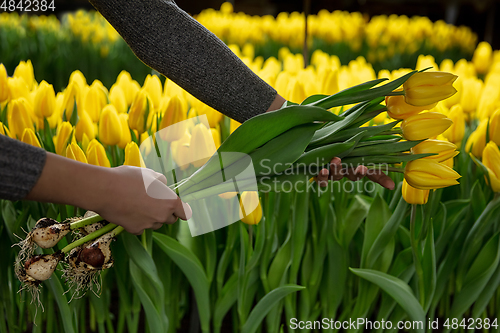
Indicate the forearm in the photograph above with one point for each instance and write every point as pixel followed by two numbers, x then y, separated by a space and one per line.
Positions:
pixel 65 181
pixel 167 39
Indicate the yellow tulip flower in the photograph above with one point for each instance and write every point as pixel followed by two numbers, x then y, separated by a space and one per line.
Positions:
pixel 25 71
pixel 18 117
pixel 477 140
pixel 216 135
pixel 233 124
pixel 214 117
pixel 4 87
pixel 74 152
pixel 444 149
pixel 414 196
pixel 425 125
pixel 482 57
pixel 152 85
pixel 61 139
pixel 84 126
pixel 30 138
pixel 202 145
pixel 494 129
pixel 425 174
pixel 126 137
pixel 137 111
pixel 429 87
pixel 95 100
pixel 18 88
pixel 96 154
pixel 491 160
pixel 172 117
pixel 249 200
pixel 471 92
pixel 397 108
pixel 455 133
pixel 45 100
pixel 181 151
pixel 130 87
pixel 110 128
pixel 117 98
pixel 133 155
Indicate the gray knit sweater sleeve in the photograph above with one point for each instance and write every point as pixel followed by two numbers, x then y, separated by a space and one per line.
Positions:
pixel 20 167
pixel 170 41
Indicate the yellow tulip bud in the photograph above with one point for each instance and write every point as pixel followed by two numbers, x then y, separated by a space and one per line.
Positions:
pixel 482 57
pixel 30 138
pixel 133 155
pixel 61 139
pixel 477 140
pixel 4 87
pixel 138 110
pixel 78 78
pixel 444 149
pixel 456 131
pixel 74 152
pixel 126 136
pixel 84 126
pixel 216 135
pixel 18 88
pixel 130 87
pixel 427 174
pixel 70 96
pixel 45 100
pixel 429 87
pixel 25 71
pixel 117 98
pixel 425 125
pixel 491 160
pixel 233 124
pixel 181 151
pixel 18 117
pixel 96 154
pixel 250 201
pixel 397 108
pixel 95 100
pixel 202 145
pixel 152 85
pixel 214 117
pixel 110 128
pixel 471 92
pixel 172 117
pixel 295 91
pixel 414 196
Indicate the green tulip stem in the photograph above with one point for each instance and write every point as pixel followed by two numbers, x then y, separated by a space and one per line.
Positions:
pixel 396 93
pixel 104 230
pixel 389 169
pixel 85 221
pixel 416 255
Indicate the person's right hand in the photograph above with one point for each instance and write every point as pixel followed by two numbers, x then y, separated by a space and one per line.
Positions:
pixel 127 202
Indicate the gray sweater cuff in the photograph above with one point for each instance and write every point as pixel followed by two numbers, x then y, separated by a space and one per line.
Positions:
pixel 21 165
pixel 167 39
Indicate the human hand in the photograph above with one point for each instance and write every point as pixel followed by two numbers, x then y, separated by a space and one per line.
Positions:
pixel 127 202
pixel 337 172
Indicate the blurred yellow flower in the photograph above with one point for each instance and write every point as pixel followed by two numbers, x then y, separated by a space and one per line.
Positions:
pixel 171 127
pixel 4 87
pixel 126 137
pixel 61 139
pixel 45 100
pixel 181 151
pixel 250 200
pixel 18 117
pixel 25 71
pixel 491 160
pixel 477 140
pixel 494 129
pixel 30 138
pixel 74 152
pixel 455 133
pixel 110 128
pixel 482 57
pixel 202 145
pixel 133 155
pixel 96 154
pixel 471 91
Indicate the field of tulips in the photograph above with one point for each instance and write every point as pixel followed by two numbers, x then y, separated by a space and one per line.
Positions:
pixel 427 253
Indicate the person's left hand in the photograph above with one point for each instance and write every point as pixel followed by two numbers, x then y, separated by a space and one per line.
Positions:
pixel 337 172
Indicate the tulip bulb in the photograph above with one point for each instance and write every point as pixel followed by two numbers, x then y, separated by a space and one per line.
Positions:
pixel 41 267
